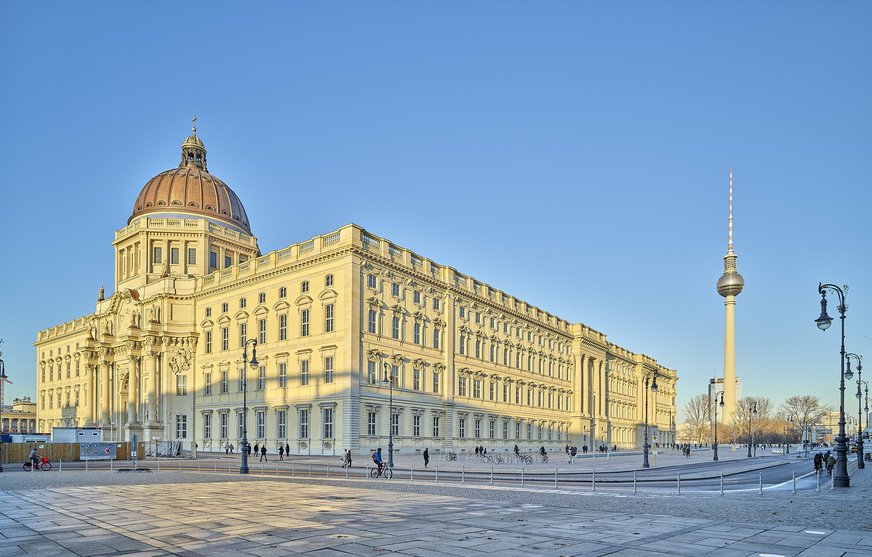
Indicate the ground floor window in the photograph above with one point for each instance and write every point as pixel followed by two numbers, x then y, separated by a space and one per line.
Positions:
pixel 181 427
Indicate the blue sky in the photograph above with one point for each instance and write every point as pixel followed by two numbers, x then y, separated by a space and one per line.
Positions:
pixel 573 154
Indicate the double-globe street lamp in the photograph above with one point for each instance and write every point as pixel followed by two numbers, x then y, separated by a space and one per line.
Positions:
pixel 788 431
pixel 721 404
pixel 752 411
pixel 389 379
pixel 243 468
pixel 840 476
pixel 860 463
pixel 645 446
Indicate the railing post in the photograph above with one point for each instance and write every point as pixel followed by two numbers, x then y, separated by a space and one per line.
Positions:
pixel 412 473
pixel 437 473
pixel 86 466
pixel 679 483
pixel 216 465
pixel 794 481
pixel 634 481
pixel 818 481
pixel 293 468
pixel 261 468
pixel 593 480
pixel 492 475
pixel 61 465
pixel 761 483
pixel 555 477
pixel 310 469
pixel 722 483
pixel 198 465
pixel 277 468
pixel 522 476
pixel 461 474
pixel 158 464
pixel 328 469
pixel 110 464
pixel 180 464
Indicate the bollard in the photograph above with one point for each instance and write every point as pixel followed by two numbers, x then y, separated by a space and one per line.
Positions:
pixel 293 466
pixel 216 466
pixel 522 477
pixel 412 472
pixel 832 480
pixel 310 469
pixel 110 464
pixel 555 478
pixel 722 483
pixel 437 473
pixel 158 464
pixel 461 474
pixel 328 469
pixel 818 481
pixel 794 482
pixel 593 480
pixel 679 483
pixel 346 471
pixel 60 465
pixel 634 481
pixel 761 483
pixel 198 465
pixel 261 468
pixel 86 466
pixel 277 468
pixel 229 467
pixel 492 475
pixel 180 465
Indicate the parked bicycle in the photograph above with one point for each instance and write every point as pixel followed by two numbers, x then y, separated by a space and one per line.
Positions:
pixel 382 471
pixel 44 464
pixel 451 456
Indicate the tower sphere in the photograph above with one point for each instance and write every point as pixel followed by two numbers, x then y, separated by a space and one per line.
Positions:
pixel 730 284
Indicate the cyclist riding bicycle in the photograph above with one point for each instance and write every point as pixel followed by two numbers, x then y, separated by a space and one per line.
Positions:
pixel 377 458
pixel 34 457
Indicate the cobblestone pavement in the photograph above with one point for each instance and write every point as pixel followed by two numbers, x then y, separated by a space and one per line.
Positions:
pixel 190 513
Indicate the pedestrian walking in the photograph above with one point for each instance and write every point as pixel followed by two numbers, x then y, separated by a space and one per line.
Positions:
pixel 287 449
pixel 572 452
pixel 256 450
pixel 263 452
pixel 348 459
pixel 426 457
pixel 231 448
pixel 227 447
pixel 281 452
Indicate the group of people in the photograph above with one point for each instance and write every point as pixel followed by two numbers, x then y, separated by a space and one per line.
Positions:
pixel 480 451
pixel 824 459
pixel 258 450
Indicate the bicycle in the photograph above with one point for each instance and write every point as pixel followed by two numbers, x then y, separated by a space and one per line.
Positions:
pixel 44 464
pixel 381 471
pixel 451 456
pixel 544 459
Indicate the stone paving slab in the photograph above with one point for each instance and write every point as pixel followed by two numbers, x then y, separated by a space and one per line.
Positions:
pixel 98 513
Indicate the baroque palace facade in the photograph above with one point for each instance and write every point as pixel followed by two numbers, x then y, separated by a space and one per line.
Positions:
pixel 332 317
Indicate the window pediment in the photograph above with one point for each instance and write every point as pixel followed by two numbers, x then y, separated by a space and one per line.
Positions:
pixel 303 300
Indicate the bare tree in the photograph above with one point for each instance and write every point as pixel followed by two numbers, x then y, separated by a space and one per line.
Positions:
pixel 806 410
pixel 762 423
pixel 697 415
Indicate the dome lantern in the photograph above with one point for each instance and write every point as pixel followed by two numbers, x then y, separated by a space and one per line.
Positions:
pixel 193 151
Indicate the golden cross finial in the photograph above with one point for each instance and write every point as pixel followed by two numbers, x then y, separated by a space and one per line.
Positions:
pixel 195 124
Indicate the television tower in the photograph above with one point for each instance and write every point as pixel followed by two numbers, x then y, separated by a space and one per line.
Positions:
pixel 729 286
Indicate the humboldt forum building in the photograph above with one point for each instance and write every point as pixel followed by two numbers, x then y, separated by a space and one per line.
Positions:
pixel 355 337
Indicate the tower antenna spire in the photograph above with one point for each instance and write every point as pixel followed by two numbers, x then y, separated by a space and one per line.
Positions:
pixel 194 129
pixel 730 246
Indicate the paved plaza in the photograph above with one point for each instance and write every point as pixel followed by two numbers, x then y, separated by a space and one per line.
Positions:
pixel 208 513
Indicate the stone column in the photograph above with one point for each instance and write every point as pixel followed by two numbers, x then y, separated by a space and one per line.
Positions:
pixel 104 391
pixel 151 370
pixel 88 396
pixel 132 391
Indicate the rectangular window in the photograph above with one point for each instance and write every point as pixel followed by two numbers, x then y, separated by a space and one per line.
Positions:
pixel 225 338
pixel 461 427
pixel 242 303
pixel 283 376
pixel 181 427
pixel 328 421
pixel 462 344
pixel 283 326
pixel 493 388
pixel 491 427
pixel 395 327
pixel 505 392
pixel 192 256
pixel 395 376
pixel 436 339
pixel 207 380
pixel 395 289
pixel 416 425
pixel 328 281
pixel 225 383
pixel 261 332
pixel 436 304
pixel 304 286
pixel 261 298
pixel 261 378
pixel 283 292
pixel 395 424
pixel 436 426
pixel 208 342
pixel 328 370
pixel 370 422
pixel 477 428
pixel 260 422
pixel 328 312
pixel 505 429
pixel 461 386
pixel 228 261
pixel 416 297
pixel 174 256
pixel 240 424
pixel 207 426
pixel 181 385
pixel 224 307
pixel 158 255
pixel 370 281
pixel 243 334
pixel 417 333
pixel 477 317
pixel 476 388
pixel 529 431
pixel 435 382
pixel 240 386
pixel 304 323
pixel 224 425
pixel 281 424
pixel 304 372
pixel 304 423
pixel 492 349
pixel 77 368
pixel 416 379
pixel 213 260
pixel 371 321
pixel 462 311
pixel 478 349
pixel 370 373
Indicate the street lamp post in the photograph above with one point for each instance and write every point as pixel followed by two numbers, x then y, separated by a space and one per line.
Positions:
pixel 752 411
pixel 715 445
pixel 840 476
pixel 243 468
pixel 390 381
pixel 645 445
pixel 789 431
pixel 860 463
pixel 2 380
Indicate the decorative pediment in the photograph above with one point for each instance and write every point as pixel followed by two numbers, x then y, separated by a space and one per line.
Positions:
pixel 398 360
pixel 398 310
pixel 439 367
pixel 419 317
pixel 373 355
pixel 418 363
pixel 261 310
pixel 438 323
pixel 241 315
pixel 463 372
pixel 328 294
pixel 374 303
pixel 303 300
pixel 281 305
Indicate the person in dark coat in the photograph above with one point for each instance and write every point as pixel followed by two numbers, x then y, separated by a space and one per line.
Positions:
pixel 256 450
pixel 281 452
pixel 263 452
pixel 426 457
pixel 287 449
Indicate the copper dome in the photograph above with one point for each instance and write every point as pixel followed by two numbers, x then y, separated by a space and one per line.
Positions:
pixel 191 189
